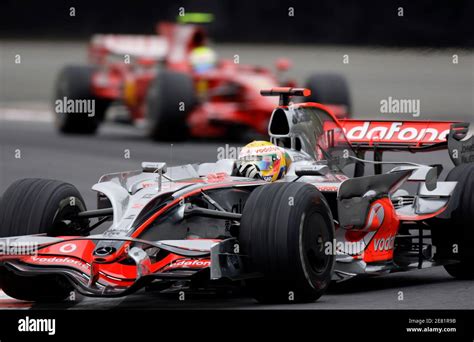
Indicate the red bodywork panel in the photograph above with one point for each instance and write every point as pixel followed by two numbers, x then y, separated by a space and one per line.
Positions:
pixel 383 223
pixel 381 245
pixel 78 255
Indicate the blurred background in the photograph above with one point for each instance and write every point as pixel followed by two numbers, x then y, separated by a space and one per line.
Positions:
pixel 435 23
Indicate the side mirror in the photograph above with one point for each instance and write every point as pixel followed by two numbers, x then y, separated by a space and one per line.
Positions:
pixel 158 168
pixel 153 167
pixel 312 170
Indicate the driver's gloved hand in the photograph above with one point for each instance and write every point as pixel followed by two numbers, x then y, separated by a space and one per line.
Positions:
pixel 249 170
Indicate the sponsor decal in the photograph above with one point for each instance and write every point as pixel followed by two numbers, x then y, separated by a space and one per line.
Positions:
pixel 216 177
pixel 375 218
pixel 68 248
pixel 28 324
pixel 63 261
pixel 384 244
pixel 390 131
pixel 189 263
pixel 327 186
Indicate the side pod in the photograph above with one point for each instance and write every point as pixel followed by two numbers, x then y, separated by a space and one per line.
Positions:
pixel 355 195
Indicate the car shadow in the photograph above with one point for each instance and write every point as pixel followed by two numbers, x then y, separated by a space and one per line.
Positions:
pixel 241 300
pixel 384 282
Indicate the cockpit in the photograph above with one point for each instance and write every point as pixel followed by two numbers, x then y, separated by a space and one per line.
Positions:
pixel 311 129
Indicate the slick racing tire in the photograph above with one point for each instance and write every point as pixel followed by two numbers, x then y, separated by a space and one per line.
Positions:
pixel 284 232
pixel 329 88
pixel 171 96
pixel 38 206
pixel 459 230
pixel 74 83
pixel 41 288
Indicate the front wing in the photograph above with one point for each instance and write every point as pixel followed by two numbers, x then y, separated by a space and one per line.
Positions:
pixel 125 271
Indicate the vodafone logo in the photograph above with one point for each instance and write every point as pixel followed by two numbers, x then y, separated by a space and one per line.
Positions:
pixel 60 261
pixel 396 131
pixel 68 248
pixel 190 263
pixel 384 244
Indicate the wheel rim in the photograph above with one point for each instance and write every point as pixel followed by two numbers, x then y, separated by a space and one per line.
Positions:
pixel 67 208
pixel 315 236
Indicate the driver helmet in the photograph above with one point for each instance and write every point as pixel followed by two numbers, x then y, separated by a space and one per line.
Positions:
pixel 263 160
pixel 202 59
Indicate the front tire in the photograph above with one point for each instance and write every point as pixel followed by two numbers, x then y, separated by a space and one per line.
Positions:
pixel 38 206
pixel 284 231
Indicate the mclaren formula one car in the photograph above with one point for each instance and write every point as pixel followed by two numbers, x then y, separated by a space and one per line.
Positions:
pixel 202 225
pixel 152 77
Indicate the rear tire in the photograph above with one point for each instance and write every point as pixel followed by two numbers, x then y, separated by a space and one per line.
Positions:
pixel 74 83
pixel 171 96
pixel 284 231
pixel 329 88
pixel 454 236
pixel 37 206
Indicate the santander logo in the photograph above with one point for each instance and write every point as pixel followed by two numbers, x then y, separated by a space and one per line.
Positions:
pixel 391 131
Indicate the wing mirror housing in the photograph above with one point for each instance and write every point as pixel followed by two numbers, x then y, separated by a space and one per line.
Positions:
pixel 312 170
pixel 153 167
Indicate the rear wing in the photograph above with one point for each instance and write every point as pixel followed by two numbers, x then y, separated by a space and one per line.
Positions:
pixel 396 135
pixel 102 46
pixel 181 40
pixel 411 136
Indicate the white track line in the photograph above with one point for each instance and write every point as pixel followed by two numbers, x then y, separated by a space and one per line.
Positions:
pixel 36 115
pixel 7 302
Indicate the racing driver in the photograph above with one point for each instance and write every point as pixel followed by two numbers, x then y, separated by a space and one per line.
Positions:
pixel 263 160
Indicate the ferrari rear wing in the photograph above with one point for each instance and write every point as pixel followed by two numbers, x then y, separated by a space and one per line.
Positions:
pixel 102 46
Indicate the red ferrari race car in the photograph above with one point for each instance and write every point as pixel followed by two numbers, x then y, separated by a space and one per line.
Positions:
pixel 209 226
pixel 175 82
